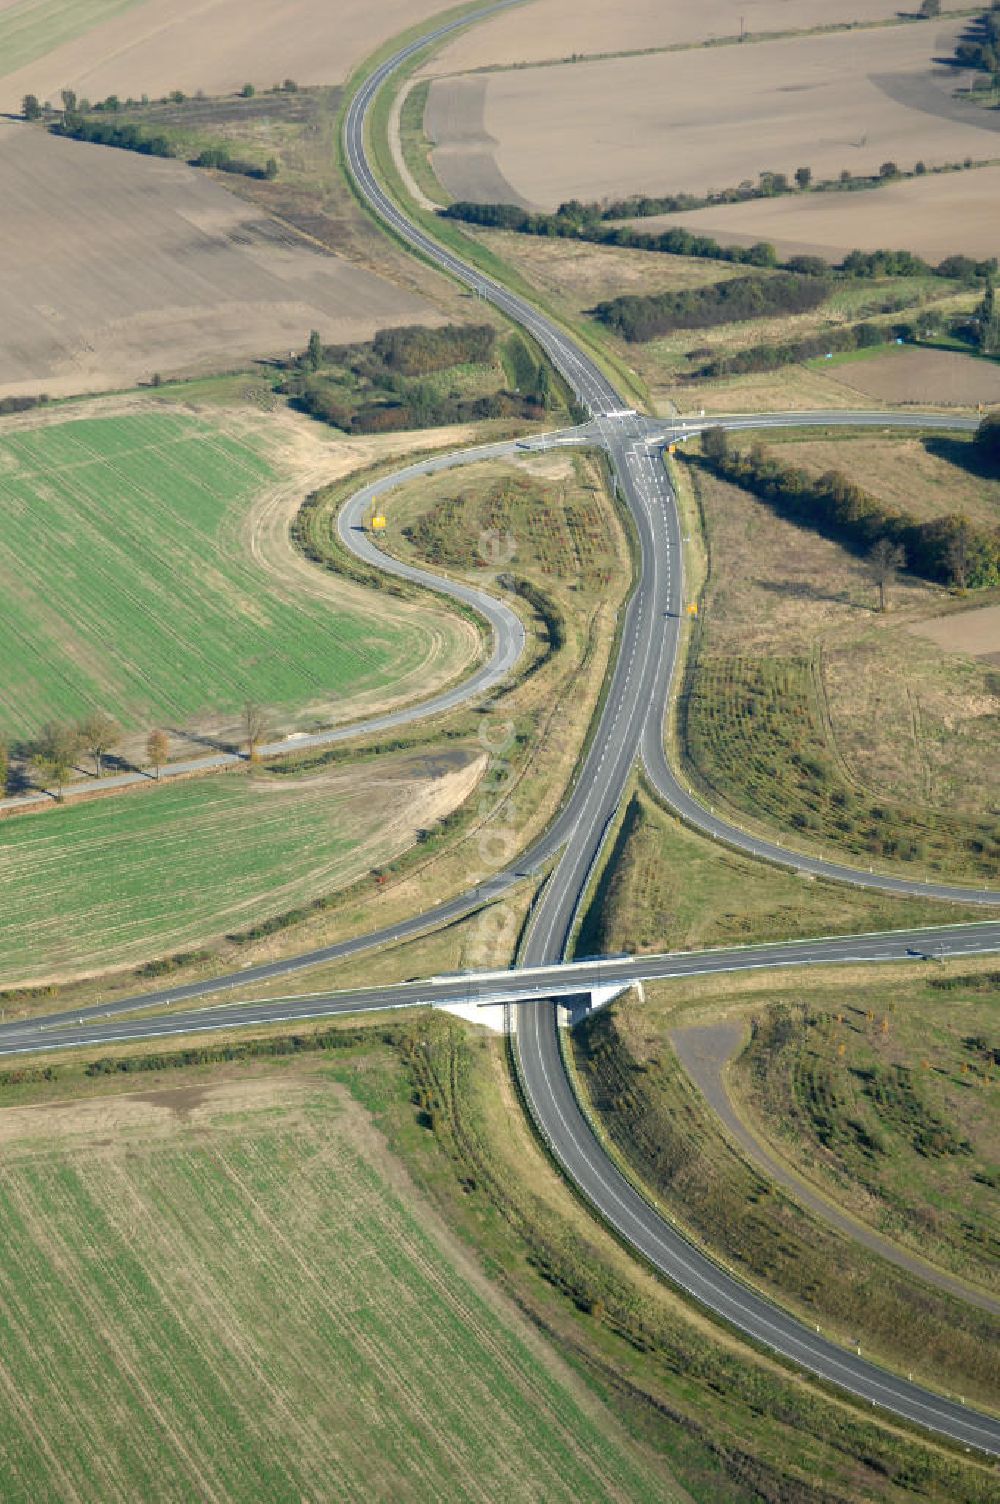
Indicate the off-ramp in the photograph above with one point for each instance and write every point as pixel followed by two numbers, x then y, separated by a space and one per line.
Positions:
pixel 631 724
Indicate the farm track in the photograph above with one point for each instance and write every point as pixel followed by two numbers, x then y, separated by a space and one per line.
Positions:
pixel 631 724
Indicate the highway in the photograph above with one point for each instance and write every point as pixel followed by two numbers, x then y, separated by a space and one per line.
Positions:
pixel 631 725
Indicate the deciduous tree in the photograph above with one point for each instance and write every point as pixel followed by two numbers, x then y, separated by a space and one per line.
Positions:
pixel 254 727
pixel 4 764
pixel 884 562
pixel 99 734
pixel 54 753
pixel 803 176
pixel 157 749
pixel 30 108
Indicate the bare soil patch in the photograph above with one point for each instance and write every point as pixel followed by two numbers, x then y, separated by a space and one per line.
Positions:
pixel 150 266
pixel 973 632
pixel 709 118
pixel 215 45
pixel 932 378
pixel 934 216
pixel 563 29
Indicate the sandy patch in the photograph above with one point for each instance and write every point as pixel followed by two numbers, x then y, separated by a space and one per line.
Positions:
pixel 937 378
pixel 933 216
pixel 149 265
pixel 973 632
pixel 554 29
pixel 710 118
pixel 215 45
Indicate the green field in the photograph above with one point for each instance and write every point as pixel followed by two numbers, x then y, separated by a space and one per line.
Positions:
pixel 127 583
pixel 31 28
pixel 124 879
pixel 238 1298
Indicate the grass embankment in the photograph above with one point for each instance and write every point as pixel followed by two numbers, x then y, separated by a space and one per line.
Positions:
pixel 808 711
pixel 662 1127
pixel 132 877
pixel 713 1422
pixel 129 585
pixel 530 731
pixel 413 142
pixel 243 1296
pixel 665 887
pixel 886 1098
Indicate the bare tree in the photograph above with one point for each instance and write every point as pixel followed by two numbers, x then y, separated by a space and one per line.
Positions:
pixel 885 560
pixel 53 755
pixel 99 734
pixel 254 727
pixel 157 749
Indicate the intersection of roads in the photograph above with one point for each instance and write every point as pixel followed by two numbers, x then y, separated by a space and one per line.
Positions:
pixel 630 728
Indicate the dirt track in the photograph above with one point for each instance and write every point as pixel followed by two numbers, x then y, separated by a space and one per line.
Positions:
pixel 150 265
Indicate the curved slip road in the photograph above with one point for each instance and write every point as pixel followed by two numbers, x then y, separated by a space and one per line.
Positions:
pixel 631 723
pixel 633 718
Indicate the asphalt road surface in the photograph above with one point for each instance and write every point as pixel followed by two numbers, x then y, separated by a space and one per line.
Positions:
pixel 631 724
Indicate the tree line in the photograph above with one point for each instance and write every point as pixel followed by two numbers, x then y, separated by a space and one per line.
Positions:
pixel 54 754
pixel 639 317
pixel 130 137
pixel 948 550
pixel 584 222
pixel 980 47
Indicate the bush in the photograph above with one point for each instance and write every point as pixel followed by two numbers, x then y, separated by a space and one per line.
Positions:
pixel 638 318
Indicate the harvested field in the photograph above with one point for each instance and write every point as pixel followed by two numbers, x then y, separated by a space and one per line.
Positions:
pixel 564 30
pixel 931 378
pixel 160 45
pixel 232 1291
pixel 974 632
pixel 709 118
pixel 123 880
pixel 934 216
pixel 146 569
pixel 151 266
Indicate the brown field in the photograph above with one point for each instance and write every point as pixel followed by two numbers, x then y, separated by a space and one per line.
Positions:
pixel 162 45
pixel 151 266
pixel 557 29
pixel 933 216
pixel 973 632
pixel 707 119
pixel 935 378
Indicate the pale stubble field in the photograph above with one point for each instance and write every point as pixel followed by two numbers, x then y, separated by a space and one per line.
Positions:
pixel 114 267
pixel 708 118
